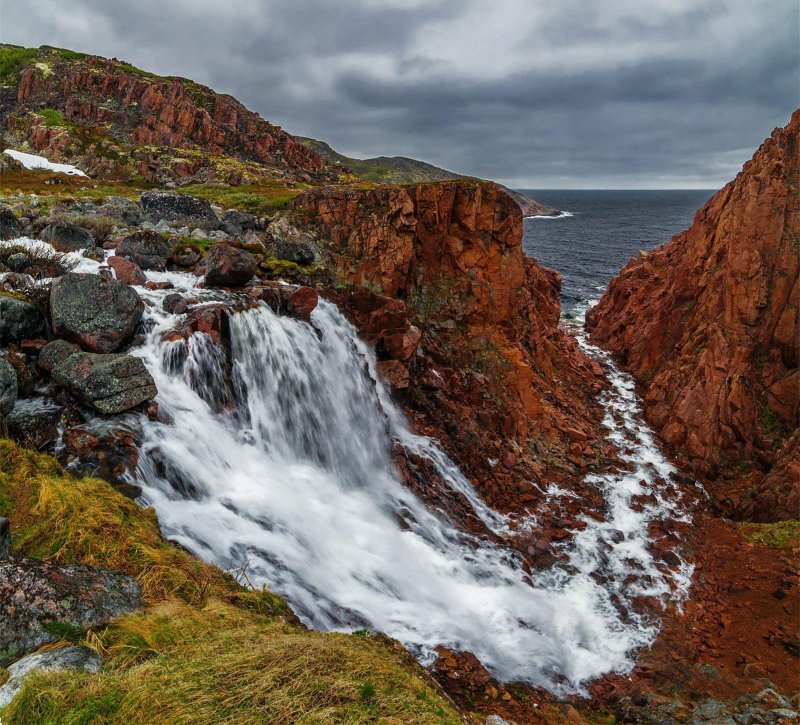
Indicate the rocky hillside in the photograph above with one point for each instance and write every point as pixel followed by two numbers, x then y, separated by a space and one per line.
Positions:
pixel 116 121
pixel 709 325
pixel 402 170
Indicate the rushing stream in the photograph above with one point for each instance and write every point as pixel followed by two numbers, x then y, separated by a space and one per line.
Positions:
pixel 281 466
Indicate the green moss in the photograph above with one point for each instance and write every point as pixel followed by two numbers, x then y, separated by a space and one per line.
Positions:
pixel 780 535
pixel 12 61
pixel 129 68
pixel 258 199
pixel 52 117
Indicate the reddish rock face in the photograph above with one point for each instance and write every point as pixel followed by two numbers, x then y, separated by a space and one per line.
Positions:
pixel 709 322
pixel 127 271
pixel 151 112
pixel 464 325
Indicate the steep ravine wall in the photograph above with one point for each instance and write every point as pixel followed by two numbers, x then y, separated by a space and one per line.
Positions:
pixel 708 323
pixel 494 375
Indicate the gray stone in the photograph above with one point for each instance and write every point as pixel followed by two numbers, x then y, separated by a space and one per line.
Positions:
pixel 110 384
pixel 5 538
pixel 147 248
pixel 170 205
pixel 18 261
pixel 9 225
pixel 237 222
pixel 67 658
pixel 99 314
pixel 67 237
pixel 8 387
pixel 41 601
pixel 19 320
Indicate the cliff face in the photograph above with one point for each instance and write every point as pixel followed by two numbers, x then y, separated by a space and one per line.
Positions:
pixel 494 376
pixel 709 322
pixel 129 117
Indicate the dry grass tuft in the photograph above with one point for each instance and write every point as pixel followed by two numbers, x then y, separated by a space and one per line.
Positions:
pixel 205 650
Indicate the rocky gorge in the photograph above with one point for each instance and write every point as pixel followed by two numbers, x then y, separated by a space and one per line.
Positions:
pixel 117 307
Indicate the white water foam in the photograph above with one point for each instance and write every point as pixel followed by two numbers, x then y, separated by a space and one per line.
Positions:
pixel 560 215
pixel 277 458
pixel 287 471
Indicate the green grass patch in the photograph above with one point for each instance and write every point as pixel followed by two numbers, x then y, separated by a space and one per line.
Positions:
pixel 12 61
pixel 779 535
pixel 52 117
pixel 261 200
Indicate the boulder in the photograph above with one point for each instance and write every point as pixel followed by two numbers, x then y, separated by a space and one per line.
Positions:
pixel 98 314
pixel 394 373
pixel 66 658
pixel 110 384
pixel 302 253
pixel 19 261
pixel 227 266
pixel 146 248
pixel 302 302
pixel 9 225
pixel 19 320
pixel 34 422
pixel 67 237
pixel 175 304
pixel 40 600
pixel 8 387
pixel 171 206
pixel 237 222
pixel 127 271
pixel 5 538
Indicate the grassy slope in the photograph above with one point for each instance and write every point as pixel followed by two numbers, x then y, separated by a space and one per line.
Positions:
pixel 382 169
pixel 204 649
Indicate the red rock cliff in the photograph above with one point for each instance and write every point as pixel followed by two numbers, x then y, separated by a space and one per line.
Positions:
pixel 709 322
pixel 113 99
pixel 495 376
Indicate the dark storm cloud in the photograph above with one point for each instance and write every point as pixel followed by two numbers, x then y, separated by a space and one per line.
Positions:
pixel 577 93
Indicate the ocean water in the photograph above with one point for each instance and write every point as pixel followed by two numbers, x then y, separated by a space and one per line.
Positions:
pixel 604 230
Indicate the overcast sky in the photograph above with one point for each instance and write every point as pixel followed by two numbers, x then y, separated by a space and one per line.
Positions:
pixel 534 93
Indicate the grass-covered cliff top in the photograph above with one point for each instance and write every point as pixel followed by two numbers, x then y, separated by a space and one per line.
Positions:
pixel 204 649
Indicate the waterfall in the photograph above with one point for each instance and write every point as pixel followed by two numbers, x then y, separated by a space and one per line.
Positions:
pixel 275 457
pixel 279 461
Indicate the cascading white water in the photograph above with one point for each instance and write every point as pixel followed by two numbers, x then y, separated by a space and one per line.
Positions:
pixel 279 460
pixel 291 476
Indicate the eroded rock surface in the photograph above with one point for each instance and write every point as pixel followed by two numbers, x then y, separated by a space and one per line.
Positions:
pixel 709 322
pixel 40 602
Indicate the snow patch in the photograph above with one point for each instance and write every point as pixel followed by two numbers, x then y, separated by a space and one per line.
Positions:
pixel 30 161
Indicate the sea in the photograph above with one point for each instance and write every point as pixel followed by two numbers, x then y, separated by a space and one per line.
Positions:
pixel 599 231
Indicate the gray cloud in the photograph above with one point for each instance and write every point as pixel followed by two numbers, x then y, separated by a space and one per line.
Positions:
pixel 579 93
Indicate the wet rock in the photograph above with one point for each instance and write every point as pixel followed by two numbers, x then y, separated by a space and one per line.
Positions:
pixel 19 320
pixel 127 271
pixel 9 225
pixel 302 302
pixel 67 658
pixel 67 237
pixel 227 266
pixel 394 373
pixel 8 387
pixel 174 304
pixel 5 538
pixel 18 261
pixel 34 423
pixel 98 314
pixel 146 248
pixel 110 383
pixel 171 206
pixel 94 253
pixel 40 600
